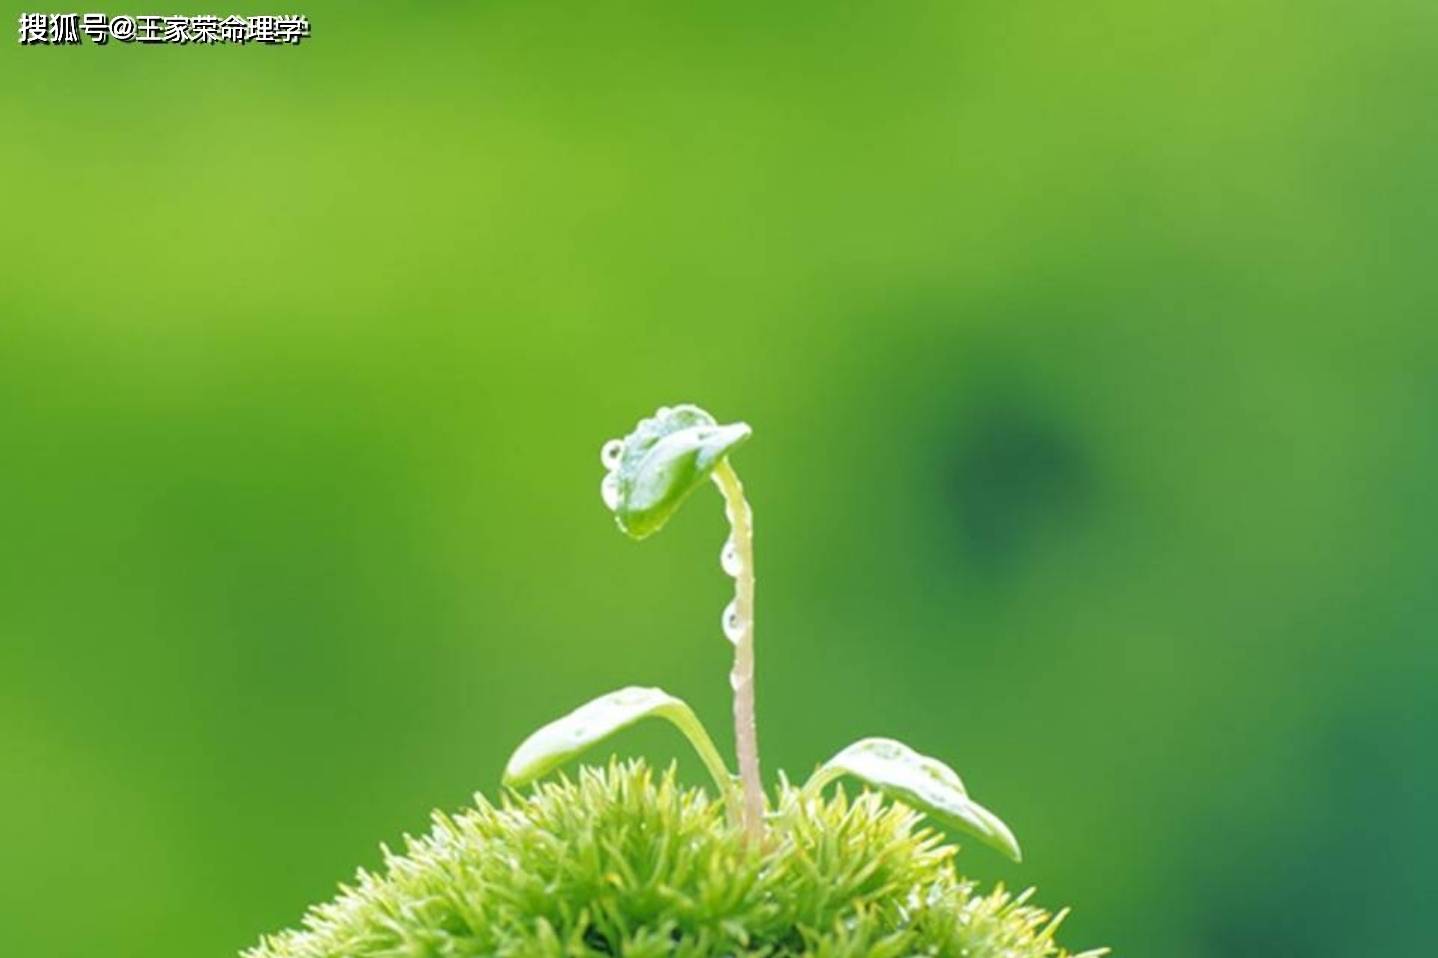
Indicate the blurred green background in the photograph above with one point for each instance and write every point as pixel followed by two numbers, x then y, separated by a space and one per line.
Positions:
pixel 1090 350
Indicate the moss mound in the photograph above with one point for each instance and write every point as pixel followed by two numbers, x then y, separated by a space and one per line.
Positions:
pixel 624 863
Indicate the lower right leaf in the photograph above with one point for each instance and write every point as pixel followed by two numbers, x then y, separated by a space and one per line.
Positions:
pixel 923 782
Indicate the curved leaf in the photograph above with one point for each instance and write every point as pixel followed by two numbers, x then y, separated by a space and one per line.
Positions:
pixel 665 458
pixel 595 721
pixel 925 783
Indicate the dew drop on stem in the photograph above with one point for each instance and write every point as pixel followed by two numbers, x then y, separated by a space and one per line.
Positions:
pixel 729 559
pixel 733 624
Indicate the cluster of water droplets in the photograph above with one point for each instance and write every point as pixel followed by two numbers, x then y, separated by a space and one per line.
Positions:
pixel 609 455
pixel 733 565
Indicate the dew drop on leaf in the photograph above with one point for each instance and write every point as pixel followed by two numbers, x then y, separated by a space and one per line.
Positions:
pixel 609 455
pixel 729 559
pixel 609 491
pixel 733 624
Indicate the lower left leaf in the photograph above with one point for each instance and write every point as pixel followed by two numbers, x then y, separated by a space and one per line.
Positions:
pixel 568 737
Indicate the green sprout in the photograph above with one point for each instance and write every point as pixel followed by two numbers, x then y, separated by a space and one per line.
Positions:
pixel 650 474
pixel 621 861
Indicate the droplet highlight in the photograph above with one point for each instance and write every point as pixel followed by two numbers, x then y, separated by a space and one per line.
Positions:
pixel 609 491
pixel 733 624
pixel 611 453
pixel 729 559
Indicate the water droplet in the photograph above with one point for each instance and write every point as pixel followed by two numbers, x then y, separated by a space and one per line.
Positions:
pixel 729 559
pixel 733 625
pixel 609 491
pixel 611 452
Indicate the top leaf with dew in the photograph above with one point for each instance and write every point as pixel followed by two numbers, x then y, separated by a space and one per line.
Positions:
pixel 655 468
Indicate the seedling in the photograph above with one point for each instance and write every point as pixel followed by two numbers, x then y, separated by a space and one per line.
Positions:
pixel 622 862
pixel 649 475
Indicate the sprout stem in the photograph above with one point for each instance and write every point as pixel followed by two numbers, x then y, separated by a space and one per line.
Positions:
pixel 741 679
pixel 698 736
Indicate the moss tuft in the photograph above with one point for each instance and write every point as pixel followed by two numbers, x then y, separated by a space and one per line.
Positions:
pixel 622 862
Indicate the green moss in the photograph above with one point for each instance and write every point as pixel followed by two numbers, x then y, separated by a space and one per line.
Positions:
pixel 624 863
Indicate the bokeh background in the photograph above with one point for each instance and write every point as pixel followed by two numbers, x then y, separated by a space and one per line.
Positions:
pixel 1090 352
